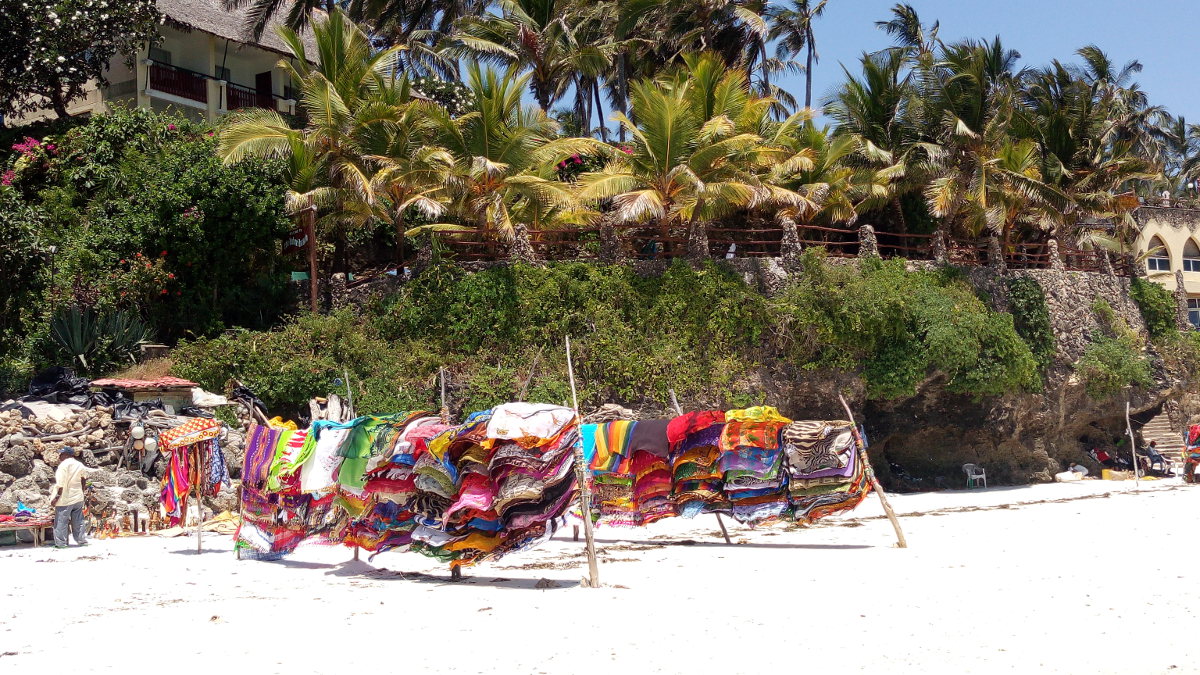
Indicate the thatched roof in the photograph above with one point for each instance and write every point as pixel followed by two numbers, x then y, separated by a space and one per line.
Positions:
pixel 210 16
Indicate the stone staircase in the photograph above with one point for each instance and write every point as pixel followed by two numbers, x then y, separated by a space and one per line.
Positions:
pixel 1170 441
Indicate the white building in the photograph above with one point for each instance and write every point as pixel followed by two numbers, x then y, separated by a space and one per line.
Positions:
pixel 205 66
pixel 1172 236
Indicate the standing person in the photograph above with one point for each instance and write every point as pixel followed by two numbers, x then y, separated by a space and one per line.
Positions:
pixel 68 498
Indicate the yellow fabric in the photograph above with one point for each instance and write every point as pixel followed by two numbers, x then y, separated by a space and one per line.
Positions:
pixel 759 413
pixel 476 541
pixel 440 443
pixel 277 422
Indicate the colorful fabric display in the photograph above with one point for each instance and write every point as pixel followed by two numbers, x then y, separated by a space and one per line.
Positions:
pixel 504 479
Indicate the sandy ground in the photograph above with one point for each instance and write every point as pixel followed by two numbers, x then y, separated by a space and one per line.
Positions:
pixel 1077 578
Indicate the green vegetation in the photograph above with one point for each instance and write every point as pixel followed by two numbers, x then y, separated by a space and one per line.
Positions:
pixel 1157 306
pixel 133 215
pixel 1114 359
pixel 702 332
pixel 1031 317
pixel 903 326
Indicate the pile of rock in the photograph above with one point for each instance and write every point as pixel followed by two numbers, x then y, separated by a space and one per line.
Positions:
pixel 29 447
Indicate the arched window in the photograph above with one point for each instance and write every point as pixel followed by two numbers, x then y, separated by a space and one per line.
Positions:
pixel 1160 258
pixel 1191 256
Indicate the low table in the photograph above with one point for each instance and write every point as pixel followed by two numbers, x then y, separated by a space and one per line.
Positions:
pixel 36 527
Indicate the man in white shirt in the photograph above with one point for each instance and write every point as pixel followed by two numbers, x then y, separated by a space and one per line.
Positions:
pixel 68 498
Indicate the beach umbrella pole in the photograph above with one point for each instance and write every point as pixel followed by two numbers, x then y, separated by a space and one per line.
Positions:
pixel 862 453
pixel 585 495
pixel 679 411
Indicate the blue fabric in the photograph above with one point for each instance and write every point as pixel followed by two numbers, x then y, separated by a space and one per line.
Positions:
pixel 588 433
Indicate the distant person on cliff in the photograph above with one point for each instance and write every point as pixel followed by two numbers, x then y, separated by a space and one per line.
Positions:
pixel 69 487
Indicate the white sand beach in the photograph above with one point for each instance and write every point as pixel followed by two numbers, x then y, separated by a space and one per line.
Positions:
pixel 1073 578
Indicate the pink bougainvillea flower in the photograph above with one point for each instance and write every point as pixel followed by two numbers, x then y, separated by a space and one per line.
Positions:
pixel 171 127
pixel 164 291
pixel 163 254
pixel 170 276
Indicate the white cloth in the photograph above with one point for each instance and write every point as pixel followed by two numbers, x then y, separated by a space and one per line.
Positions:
pixel 521 420
pixel 318 472
pixel 68 480
pixel 1079 469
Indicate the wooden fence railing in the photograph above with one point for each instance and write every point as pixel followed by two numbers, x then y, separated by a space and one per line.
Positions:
pixel 653 243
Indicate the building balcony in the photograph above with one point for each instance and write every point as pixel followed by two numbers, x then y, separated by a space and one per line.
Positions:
pixel 178 82
pixel 237 97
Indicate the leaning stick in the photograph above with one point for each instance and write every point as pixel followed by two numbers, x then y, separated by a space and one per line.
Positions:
pixel 1132 449
pixel 679 411
pixel 862 453
pixel 585 495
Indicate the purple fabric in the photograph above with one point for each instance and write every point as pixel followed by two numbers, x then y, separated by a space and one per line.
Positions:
pixel 260 451
pixel 709 436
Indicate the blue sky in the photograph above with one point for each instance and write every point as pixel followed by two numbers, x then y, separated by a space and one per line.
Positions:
pixel 1162 34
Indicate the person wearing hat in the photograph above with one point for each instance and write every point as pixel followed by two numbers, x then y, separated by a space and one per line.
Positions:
pixel 68 499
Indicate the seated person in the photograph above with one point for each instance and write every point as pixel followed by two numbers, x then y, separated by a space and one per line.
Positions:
pixel 1103 458
pixel 1078 468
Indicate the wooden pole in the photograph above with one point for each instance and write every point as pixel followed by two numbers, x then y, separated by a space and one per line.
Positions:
pixel 585 495
pixel 1132 449
pixel 679 411
pixel 238 549
pixel 199 493
pixel 310 217
pixel 866 460
pixel 445 411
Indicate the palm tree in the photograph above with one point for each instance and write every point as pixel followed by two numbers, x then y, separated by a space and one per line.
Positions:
pixel 300 13
pixel 540 36
pixel 347 98
pixel 504 154
pixel 792 28
pixel 697 150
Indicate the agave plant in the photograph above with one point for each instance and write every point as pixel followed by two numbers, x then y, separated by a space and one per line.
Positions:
pixel 97 341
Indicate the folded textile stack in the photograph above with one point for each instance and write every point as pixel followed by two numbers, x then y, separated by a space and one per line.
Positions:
pixel 751 464
pixel 606 453
pixel 695 442
pixel 493 485
pixel 825 475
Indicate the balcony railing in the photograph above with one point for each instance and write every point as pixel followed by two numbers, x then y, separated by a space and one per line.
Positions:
pixel 179 82
pixel 237 96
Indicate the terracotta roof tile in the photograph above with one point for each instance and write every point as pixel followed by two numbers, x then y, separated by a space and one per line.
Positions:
pixel 166 382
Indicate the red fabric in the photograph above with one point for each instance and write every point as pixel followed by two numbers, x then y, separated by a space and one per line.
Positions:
pixel 681 426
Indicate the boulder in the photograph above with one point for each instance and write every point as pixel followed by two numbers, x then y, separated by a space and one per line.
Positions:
pixel 17 460
pixel 131 495
pixel 42 474
pixel 126 479
pixel 226 499
pixel 6 480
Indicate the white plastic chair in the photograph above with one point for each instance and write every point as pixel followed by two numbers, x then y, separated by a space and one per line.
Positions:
pixel 975 475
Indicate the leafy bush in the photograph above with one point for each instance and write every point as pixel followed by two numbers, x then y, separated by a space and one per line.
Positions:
pixel 1031 317
pixel 1157 306
pixel 1114 359
pixel 701 332
pixel 142 217
pixel 903 327
pixel 1109 364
